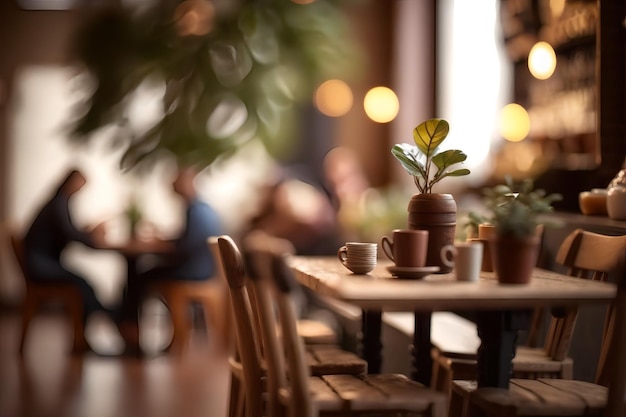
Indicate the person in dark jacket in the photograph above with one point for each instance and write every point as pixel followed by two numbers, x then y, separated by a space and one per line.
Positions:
pixel 187 257
pixel 50 233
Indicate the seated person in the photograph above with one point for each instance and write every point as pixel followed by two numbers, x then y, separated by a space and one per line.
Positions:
pixel 301 212
pixel 49 234
pixel 187 257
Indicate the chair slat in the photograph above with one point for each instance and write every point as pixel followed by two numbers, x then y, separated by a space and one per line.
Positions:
pixel 594 396
pixel 326 360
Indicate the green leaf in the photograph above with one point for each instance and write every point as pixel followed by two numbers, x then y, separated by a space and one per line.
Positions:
pixel 447 158
pixel 429 135
pixel 408 156
pixel 457 173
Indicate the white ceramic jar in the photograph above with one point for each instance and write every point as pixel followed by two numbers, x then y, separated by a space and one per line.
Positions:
pixel 616 203
pixel 616 197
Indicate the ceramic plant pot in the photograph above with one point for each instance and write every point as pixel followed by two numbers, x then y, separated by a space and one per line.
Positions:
pixel 437 214
pixel 514 258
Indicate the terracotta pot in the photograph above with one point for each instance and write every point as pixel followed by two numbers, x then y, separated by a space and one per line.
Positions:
pixel 437 214
pixel 514 258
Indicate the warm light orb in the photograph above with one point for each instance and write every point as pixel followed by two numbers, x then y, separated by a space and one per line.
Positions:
pixel 302 1
pixel 542 61
pixel 556 8
pixel 381 104
pixel 333 98
pixel 514 122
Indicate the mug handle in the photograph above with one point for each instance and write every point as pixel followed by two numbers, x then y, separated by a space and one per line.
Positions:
pixel 387 245
pixel 342 254
pixel 445 258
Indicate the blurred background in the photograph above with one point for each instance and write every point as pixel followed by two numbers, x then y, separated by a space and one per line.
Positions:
pixel 516 79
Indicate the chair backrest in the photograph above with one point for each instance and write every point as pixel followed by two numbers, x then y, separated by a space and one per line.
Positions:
pixel 221 276
pixel 301 403
pixel 17 244
pixel 259 249
pixel 616 374
pixel 593 256
pixel 274 286
pixel 234 271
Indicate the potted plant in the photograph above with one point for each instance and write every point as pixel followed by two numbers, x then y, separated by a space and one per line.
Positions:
pixel 515 244
pixel 430 211
pixel 472 225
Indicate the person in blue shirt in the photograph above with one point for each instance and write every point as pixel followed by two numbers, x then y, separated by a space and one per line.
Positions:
pixel 187 257
pixel 50 233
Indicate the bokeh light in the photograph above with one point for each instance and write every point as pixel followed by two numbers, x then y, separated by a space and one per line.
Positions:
pixel 381 104
pixel 514 122
pixel 194 17
pixel 227 118
pixel 334 98
pixel 556 8
pixel 302 1
pixel 542 61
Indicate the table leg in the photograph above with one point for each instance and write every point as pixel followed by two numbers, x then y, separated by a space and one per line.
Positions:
pixel 129 325
pixel 498 335
pixel 371 344
pixel 420 351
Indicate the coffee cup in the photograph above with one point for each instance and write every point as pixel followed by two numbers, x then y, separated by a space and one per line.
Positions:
pixel 487 263
pixel 465 258
pixel 358 257
pixel 407 248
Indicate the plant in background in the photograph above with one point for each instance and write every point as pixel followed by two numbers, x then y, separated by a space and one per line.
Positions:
pixel 423 162
pixel 515 209
pixel 222 72
pixel 474 219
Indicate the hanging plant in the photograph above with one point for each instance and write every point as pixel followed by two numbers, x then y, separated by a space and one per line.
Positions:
pixel 223 77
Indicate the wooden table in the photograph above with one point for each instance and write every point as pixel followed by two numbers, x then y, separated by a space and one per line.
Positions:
pixel 500 311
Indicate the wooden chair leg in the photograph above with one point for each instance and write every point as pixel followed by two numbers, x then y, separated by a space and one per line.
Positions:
pixel 29 309
pixel 459 398
pixel 457 405
pixel 75 313
pixel 181 323
pixel 235 403
pixel 215 318
pixel 434 377
pixel 445 381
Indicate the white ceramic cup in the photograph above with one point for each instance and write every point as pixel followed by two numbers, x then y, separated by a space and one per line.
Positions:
pixel 358 257
pixel 465 257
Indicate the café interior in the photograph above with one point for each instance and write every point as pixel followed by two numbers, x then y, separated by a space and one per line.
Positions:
pixel 532 90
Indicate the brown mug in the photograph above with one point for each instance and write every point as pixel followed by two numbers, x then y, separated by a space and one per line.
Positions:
pixel 407 247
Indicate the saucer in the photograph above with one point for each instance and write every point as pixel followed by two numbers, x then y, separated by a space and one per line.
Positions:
pixel 412 272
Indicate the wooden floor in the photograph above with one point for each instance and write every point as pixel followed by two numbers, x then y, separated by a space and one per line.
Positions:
pixel 48 382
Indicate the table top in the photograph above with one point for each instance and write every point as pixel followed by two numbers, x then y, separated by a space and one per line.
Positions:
pixel 380 290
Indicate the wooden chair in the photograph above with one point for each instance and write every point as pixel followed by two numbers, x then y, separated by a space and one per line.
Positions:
pixel 211 294
pixel 179 297
pixel 591 255
pixel 236 400
pixel 245 362
pixel 551 360
pixel 38 294
pixel 323 359
pixel 306 395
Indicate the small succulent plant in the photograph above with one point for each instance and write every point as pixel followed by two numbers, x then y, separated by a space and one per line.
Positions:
pixel 515 208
